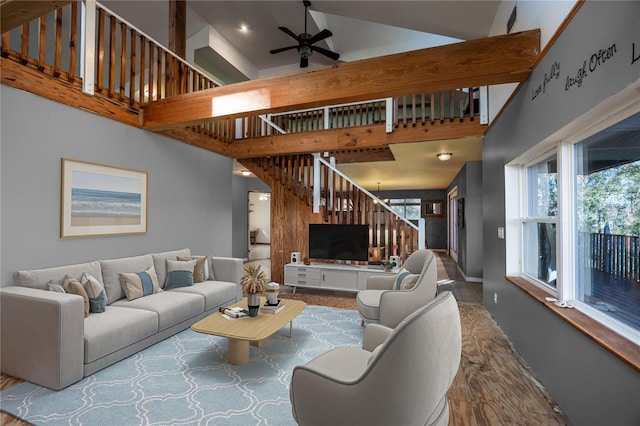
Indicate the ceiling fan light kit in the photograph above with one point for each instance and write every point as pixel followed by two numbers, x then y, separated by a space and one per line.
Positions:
pixel 305 46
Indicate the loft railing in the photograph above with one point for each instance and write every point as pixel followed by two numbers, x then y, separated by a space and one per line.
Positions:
pixel 85 46
pixel 423 108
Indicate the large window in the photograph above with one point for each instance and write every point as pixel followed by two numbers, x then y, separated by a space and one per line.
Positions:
pixel 607 224
pixel 409 208
pixel 573 213
pixel 539 224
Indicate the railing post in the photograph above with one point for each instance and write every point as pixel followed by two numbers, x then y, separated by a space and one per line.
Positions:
pixel 88 46
pixel 484 104
pixel 389 115
pixel 327 119
pixel 422 243
pixel 316 183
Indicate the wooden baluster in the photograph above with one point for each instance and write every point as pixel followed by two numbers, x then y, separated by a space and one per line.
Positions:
pixel 123 59
pixel 143 67
pixel 100 53
pixel 6 43
pixel 461 104
pixel 24 45
pixel 379 230
pixel 325 175
pixel 452 112
pixel 112 56
pixel 414 111
pixel 132 67
pixel 404 111
pixel 433 108
pixel 42 43
pixel 472 104
pixel 334 198
pixel 72 41
pixel 57 55
pixel 151 80
pixel 393 243
pixel 341 206
pixel 441 94
pixel 161 76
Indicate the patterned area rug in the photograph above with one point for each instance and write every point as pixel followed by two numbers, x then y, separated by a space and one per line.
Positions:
pixel 185 380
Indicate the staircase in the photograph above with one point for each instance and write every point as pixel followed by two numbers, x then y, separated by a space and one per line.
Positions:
pixel 307 189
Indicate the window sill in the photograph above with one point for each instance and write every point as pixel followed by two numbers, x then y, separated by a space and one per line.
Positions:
pixel 625 349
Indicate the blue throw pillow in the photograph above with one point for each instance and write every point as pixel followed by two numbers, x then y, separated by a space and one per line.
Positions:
pixel 401 276
pixel 99 304
pixel 176 279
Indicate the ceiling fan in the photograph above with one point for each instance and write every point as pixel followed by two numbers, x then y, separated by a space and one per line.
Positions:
pixel 305 41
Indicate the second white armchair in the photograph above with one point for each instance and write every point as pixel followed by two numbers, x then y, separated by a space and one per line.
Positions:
pixel 386 302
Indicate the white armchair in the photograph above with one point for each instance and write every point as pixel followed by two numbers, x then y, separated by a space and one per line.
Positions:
pixel 399 377
pixel 382 303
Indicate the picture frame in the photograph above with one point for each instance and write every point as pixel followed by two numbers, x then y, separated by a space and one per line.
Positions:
pixel 461 212
pixel 98 199
pixel 432 208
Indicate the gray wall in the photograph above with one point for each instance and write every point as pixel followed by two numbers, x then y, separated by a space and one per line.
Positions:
pixel 435 227
pixel 189 188
pixel 469 183
pixel 590 384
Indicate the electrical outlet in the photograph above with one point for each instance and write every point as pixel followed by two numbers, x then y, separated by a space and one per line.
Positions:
pixel 495 297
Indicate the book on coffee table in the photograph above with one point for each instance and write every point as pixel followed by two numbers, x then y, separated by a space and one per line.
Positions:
pixel 269 308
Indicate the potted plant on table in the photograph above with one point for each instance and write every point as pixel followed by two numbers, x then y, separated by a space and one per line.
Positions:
pixel 253 282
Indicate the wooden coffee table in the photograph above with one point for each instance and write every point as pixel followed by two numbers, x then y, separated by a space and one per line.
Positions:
pixel 240 332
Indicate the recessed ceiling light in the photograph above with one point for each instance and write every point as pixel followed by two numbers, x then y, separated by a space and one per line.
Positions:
pixel 244 28
pixel 444 156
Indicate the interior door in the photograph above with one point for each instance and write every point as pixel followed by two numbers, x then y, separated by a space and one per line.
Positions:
pixel 452 224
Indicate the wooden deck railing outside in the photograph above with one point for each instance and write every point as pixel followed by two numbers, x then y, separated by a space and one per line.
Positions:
pixel 617 255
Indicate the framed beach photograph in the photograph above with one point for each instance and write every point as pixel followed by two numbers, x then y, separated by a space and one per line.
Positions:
pixel 102 200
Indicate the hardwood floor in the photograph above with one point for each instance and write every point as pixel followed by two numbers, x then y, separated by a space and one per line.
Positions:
pixel 494 386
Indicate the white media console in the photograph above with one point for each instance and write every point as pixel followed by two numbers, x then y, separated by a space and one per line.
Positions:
pixel 329 276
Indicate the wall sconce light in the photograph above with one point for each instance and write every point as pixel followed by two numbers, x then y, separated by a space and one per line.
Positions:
pixel 246 173
pixel 444 156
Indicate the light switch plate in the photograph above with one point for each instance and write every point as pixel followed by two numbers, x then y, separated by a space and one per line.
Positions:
pixel 501 233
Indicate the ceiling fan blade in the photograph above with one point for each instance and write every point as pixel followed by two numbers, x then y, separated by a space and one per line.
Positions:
pixel 304 62
pixel 282 49
pixel 290 33
pixel 320 36
pixel 325 52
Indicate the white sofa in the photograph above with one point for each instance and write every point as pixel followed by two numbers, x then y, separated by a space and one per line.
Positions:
pixel 47 340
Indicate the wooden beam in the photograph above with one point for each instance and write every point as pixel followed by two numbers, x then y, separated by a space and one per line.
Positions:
pixel 352 138
pixel 363 155
pixel 488 61
pixel 14 13
pixel 178 27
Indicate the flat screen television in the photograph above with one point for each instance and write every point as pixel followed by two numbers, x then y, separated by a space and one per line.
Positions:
pixel 339 242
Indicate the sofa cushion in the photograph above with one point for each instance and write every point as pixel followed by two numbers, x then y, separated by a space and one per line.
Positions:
pixel 215 293
pixel 160 265
pixel 200 272
pixel 73 286
pixel 179 273
pixel 113 267
pixel 139 284
pixel 115 329
pixel 409 281
pixel 38 278
pixel 95 291
pixel 171 307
